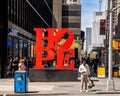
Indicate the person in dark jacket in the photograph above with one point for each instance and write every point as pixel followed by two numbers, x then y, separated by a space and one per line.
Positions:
pixel 15 64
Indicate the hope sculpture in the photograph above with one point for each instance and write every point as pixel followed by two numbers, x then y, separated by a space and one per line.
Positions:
pixel 61 54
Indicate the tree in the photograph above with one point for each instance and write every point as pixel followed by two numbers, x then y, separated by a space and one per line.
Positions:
pixel 74 45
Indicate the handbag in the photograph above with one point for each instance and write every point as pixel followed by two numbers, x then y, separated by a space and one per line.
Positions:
pixel 84 73
pixel 90 83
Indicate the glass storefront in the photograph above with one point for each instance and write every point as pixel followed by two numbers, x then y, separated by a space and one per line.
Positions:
pixel 9 47
pixel 25 51
pixel 29 50
pixel 15 47
pixel 32 50
pixel 20 47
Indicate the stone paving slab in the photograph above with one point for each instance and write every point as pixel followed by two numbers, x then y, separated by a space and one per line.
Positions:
pixel 59 88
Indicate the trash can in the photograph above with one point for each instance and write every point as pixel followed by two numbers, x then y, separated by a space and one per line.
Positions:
pixel 20 81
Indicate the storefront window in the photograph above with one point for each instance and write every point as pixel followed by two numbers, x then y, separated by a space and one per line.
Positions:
pixel 15 47
pixel 29 50
pixel 20 48
pixel 34 54
pixel 9 47
pixel 25 51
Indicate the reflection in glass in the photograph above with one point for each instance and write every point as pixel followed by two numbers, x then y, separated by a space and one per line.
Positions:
pixel 15 47
pixel 9 47
pixel 20 48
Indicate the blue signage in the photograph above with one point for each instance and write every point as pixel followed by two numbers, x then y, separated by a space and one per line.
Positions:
pixel 13 32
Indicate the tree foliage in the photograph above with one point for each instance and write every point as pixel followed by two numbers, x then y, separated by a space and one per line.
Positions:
pixel 74 45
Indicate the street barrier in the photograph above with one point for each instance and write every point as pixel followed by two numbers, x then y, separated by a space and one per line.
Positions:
pixel 20 82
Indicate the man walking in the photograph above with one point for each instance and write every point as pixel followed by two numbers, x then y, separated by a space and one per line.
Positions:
pixel 85 72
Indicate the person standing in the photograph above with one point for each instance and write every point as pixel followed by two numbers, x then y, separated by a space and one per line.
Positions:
pixel 21 65
pixel 15 64
pixel 85 72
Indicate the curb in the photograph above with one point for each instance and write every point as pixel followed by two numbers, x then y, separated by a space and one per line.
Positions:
pixel 109 92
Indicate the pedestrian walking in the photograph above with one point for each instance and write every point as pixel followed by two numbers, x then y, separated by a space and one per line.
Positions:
pixel 85 72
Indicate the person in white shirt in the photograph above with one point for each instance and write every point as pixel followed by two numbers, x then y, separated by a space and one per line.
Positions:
pixel 85 72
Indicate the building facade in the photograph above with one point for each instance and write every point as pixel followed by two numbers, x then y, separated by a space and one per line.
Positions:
pixel 71 16
pixel 3 35
pixel 98 35
pixel 17 21
pixel 116 28
pixel 20 17
pixel 115 20
pixel 88 35
pixel 97 38
pixel 57 12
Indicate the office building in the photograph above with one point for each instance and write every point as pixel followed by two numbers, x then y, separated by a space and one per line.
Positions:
pixel 19 17
pixel 88 35
pixel 17 21
pixel 97 38
pixel 71 16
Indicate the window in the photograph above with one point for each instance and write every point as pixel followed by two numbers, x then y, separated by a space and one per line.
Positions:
pixel 102 26
pixel 15 47
pixel 71 25
pixel 9 46
pixel 74 0
pixel 99 13
pixel 71 13
pixel 20 48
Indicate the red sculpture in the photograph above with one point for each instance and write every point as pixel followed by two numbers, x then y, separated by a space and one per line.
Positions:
pixel 49 46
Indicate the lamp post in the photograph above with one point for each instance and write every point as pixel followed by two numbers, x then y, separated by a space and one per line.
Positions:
pixel 110 83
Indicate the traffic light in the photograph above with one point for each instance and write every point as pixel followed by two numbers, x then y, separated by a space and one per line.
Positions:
pixel 102 26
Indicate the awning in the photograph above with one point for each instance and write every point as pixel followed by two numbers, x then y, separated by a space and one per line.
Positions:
pixel 97 49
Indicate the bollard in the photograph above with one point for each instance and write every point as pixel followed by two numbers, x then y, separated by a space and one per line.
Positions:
pixel 20 81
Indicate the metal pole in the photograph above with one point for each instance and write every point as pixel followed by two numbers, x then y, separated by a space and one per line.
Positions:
pixel 110 83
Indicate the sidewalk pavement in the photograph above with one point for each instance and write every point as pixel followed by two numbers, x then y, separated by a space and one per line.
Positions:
pixel 60 88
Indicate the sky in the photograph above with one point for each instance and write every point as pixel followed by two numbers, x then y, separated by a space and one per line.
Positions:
pixel 88 7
